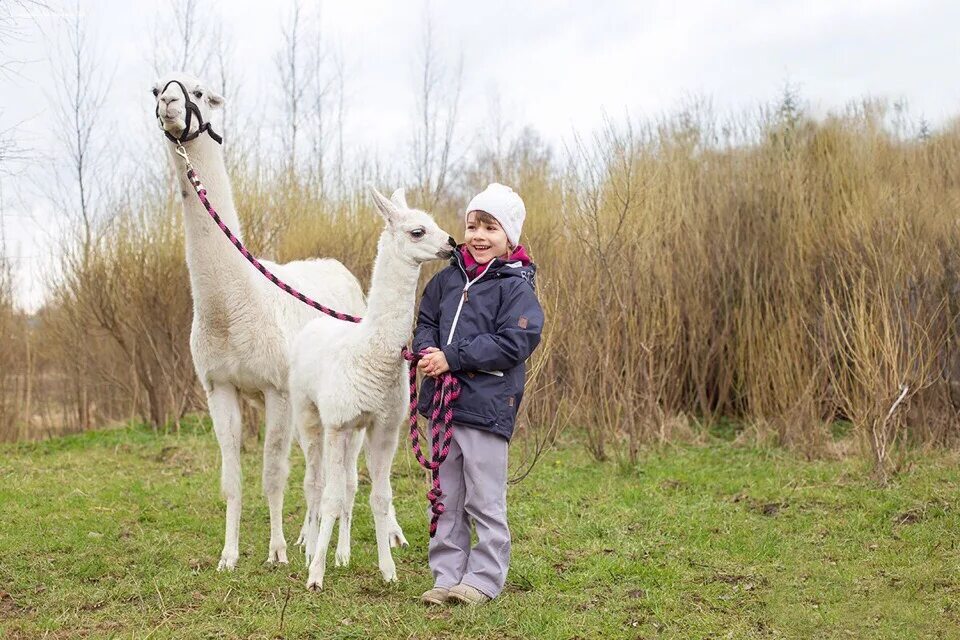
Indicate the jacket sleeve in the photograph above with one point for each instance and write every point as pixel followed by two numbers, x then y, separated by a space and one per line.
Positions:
pixel 427 332
pixel 519 324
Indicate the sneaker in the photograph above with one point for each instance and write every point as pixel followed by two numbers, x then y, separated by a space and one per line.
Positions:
pixel 466 594
pixel 437 595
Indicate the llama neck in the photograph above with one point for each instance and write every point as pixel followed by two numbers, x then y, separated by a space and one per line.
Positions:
pixel 209 254
pixel 393 292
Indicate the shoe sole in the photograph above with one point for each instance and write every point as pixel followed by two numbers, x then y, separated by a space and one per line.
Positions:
pixel 461 600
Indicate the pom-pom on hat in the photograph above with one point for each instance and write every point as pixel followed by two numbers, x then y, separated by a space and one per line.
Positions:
pixel 505 205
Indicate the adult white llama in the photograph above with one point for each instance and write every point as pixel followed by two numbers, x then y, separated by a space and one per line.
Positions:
pixel 242 324
pixel 346 377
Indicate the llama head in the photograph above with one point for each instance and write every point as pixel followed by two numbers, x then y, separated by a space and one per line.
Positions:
pixel 412 232
pixel 173 93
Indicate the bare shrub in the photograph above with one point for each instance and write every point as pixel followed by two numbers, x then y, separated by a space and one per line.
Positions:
pixel 777 272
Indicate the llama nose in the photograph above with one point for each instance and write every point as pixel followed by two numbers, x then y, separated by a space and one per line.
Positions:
pixel 452 242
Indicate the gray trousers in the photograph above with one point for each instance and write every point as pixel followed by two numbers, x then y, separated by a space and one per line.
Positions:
pixel 473 479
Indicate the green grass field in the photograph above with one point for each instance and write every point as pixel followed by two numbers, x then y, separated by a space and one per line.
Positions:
pixel 117 534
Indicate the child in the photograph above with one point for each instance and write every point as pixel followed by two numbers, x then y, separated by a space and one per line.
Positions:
pixel 480 319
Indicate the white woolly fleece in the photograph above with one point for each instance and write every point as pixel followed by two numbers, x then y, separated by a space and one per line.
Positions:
pixel 505 205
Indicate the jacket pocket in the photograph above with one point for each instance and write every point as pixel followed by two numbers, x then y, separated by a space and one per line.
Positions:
pixel 462 416
pixel 481 395
pixel 508 402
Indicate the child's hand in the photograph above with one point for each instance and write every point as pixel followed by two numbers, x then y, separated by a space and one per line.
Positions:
pixel 422 362
pixel 434 363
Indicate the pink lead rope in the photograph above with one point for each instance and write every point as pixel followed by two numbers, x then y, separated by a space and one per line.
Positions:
pixel 447 391
pixel 441 431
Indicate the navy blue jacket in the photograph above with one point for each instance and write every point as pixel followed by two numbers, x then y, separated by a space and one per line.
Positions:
pixel 498 323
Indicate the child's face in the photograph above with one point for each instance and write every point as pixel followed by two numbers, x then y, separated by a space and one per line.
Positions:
pixel 485 240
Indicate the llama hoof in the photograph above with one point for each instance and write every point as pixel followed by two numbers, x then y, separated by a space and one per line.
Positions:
pixel 315 583
pixel 389 573
pixel 342 558
pixel 228 560
pixel 397 539
pixel 302 538
pixel 278 555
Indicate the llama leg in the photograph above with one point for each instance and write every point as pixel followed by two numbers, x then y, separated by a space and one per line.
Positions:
pixel 224 406
pixel 302 538
pixel 306 424
pixel 351 475
pixel 381 447
pixel 276 469
pixel 335 445
pixel 394 532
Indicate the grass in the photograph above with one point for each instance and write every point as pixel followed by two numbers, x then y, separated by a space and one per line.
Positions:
pixel 117 534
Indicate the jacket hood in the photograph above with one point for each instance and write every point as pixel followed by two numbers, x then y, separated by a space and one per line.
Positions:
pixel 518 264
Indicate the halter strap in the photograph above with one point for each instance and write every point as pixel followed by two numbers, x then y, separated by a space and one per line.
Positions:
pixel 191 110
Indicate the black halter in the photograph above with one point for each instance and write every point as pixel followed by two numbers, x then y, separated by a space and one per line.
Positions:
pixel 191 110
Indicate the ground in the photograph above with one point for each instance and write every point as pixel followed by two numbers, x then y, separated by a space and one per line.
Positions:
pixel 117 533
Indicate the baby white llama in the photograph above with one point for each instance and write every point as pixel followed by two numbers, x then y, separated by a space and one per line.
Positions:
pixel 242 324
pixel 346 377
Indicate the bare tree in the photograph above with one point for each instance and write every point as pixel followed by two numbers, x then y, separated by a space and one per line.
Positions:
pixel 184 12
pixel 339 73
pixel 223 53
pixel 82 88
pixel 8 356
pixel 14 14
pixel 193 47
pixel 292 85
pixel 438 100
pixel 15 354
pixel 11 151
pixel 326 79
pixel 492 154
pixel 322 88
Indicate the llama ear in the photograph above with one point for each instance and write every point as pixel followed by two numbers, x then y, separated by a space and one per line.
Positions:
pixel 399 198
pixel 214 99
pixel 385 206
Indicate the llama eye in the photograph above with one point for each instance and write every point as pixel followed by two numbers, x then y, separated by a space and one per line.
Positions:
pixel 198 94
pixel 155 92
pixel 418 233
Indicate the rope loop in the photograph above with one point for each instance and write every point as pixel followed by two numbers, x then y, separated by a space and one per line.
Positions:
pixel 441 431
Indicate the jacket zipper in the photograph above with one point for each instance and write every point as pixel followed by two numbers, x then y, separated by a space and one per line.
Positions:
pixel 463 298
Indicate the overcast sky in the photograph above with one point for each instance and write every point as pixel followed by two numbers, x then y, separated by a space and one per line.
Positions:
pixel 557 66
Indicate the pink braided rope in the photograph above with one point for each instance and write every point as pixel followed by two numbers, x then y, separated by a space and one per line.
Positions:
pixel 202 194
pixel 441 419
pixel 441 431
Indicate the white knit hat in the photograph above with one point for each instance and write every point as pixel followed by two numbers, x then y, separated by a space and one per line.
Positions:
pixel 505 205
